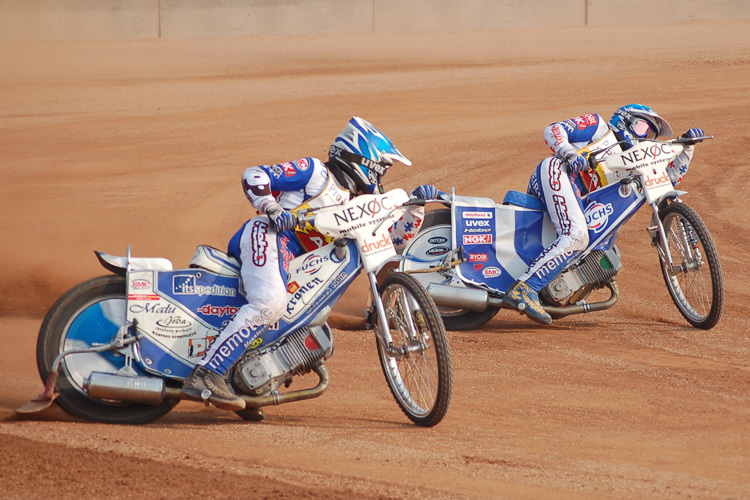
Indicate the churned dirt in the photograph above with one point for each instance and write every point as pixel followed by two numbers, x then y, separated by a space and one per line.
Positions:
pixel 113 143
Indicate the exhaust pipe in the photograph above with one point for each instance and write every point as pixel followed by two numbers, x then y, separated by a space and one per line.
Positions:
pixel 472 299
pixel 145 390
pixel 153 391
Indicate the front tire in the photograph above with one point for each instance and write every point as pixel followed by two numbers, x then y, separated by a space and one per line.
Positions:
pixel 420 378
pixel 436 226
pixel 91 313
pixel 697 285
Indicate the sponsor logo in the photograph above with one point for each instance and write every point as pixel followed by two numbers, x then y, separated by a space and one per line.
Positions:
pixel 478 230
pixel 313 263
pixel 174 323
pixel 477 215
pixel 258 242
pixel 382 244
pixel 142 296
pixel 437 240
pixel 292 287
pixel 301 291
pixel 478 257
pixel 153 308
pixel 585 121
pixel 209 310
pixel 434 251
pixel 491 272
pixel 597 216
pixel 477 223
pixel 554 174
pixel 653 152
pixel 477 239
pixel 140 284
pixel 289 169
pixel 561 210
pixel 652 182
pixel 369 209
pixel 303 164
pixel 185 284
pixel 477 267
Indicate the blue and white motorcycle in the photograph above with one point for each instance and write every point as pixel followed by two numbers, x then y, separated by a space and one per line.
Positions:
pixel 117 348
pixel 468 255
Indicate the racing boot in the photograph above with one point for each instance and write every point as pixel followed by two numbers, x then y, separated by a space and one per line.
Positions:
pixel 203 384
pixel 525 299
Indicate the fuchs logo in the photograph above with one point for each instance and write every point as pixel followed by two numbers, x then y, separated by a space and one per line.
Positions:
pixel 477 215
pixel 437 251
pixel 140 284
pixel 477 239
pixel 312 263
pixel 478 257
pixel 185 284
pixel 209 310
pixel 597 216
pixel 491 272
pixel 437 240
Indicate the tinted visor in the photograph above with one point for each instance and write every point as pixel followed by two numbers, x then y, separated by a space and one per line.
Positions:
pixel 642 129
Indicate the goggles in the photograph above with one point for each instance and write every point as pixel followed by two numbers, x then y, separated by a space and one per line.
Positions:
pixel 642 129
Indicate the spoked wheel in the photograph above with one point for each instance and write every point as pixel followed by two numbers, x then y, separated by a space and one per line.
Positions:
pixel 428 249
pixel 88 315
pixel 419 375
pixel 695 280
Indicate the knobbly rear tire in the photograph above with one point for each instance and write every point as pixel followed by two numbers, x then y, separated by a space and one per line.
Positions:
pixel 82 308
pixel 420 381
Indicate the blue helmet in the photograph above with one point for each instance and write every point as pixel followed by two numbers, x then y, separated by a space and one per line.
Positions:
pixel 360 156
pixel 639 121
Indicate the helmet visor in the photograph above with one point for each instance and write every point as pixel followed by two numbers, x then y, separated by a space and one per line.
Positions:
pixel 643 129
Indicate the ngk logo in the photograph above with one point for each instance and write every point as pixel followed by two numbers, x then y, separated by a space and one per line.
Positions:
pixel 477 239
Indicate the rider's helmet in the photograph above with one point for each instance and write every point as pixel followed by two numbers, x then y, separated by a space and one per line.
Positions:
pixel 360 156
pixel 639 121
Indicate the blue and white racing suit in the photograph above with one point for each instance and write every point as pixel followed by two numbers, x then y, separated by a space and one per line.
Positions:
pixel 265 253
pixel 560 191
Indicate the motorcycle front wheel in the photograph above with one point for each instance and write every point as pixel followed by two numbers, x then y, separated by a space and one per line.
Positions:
pixel 695 281
pixel 88 315
pixel 423 252
pixel 419 376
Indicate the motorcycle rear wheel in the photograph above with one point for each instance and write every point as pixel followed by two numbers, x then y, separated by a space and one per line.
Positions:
pixel 437 224
pixel 90 313
pixel 420 378
pixel 697 289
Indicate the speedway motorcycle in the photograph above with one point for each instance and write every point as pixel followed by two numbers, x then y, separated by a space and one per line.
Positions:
pixel 468 255
pixel 117 348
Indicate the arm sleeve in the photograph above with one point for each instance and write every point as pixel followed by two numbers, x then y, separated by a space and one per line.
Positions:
pixel 407 226
pixel 679 166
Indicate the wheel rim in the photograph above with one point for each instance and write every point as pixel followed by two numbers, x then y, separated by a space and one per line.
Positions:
pixel 96 322
pixel 692 285
pixel 413 374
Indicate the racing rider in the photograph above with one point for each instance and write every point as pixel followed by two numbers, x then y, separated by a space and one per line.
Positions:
pixel 560 180
pixel 264 245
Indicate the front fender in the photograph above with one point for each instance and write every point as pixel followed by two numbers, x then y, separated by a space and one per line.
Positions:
pixel 671 194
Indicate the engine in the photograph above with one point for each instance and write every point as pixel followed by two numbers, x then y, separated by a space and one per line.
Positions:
pixel 260 372
pixel 575 283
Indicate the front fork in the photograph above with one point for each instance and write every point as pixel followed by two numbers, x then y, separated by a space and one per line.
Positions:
pixel 662 247
pixel 382 328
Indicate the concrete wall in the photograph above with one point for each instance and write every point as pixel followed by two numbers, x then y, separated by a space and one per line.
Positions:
pixel 97 19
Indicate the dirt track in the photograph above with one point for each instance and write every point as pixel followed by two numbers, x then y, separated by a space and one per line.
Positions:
pixel 107 144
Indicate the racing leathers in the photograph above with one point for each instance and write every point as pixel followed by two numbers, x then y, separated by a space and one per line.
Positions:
pixel 560 190
pixel 265 253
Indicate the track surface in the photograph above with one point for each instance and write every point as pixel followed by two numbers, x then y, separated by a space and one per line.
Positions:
pixel 111 143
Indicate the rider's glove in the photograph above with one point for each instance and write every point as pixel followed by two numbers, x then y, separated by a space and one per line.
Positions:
pixel 282 220
pixel 426 192
pixel 576 163
pixel 693 133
